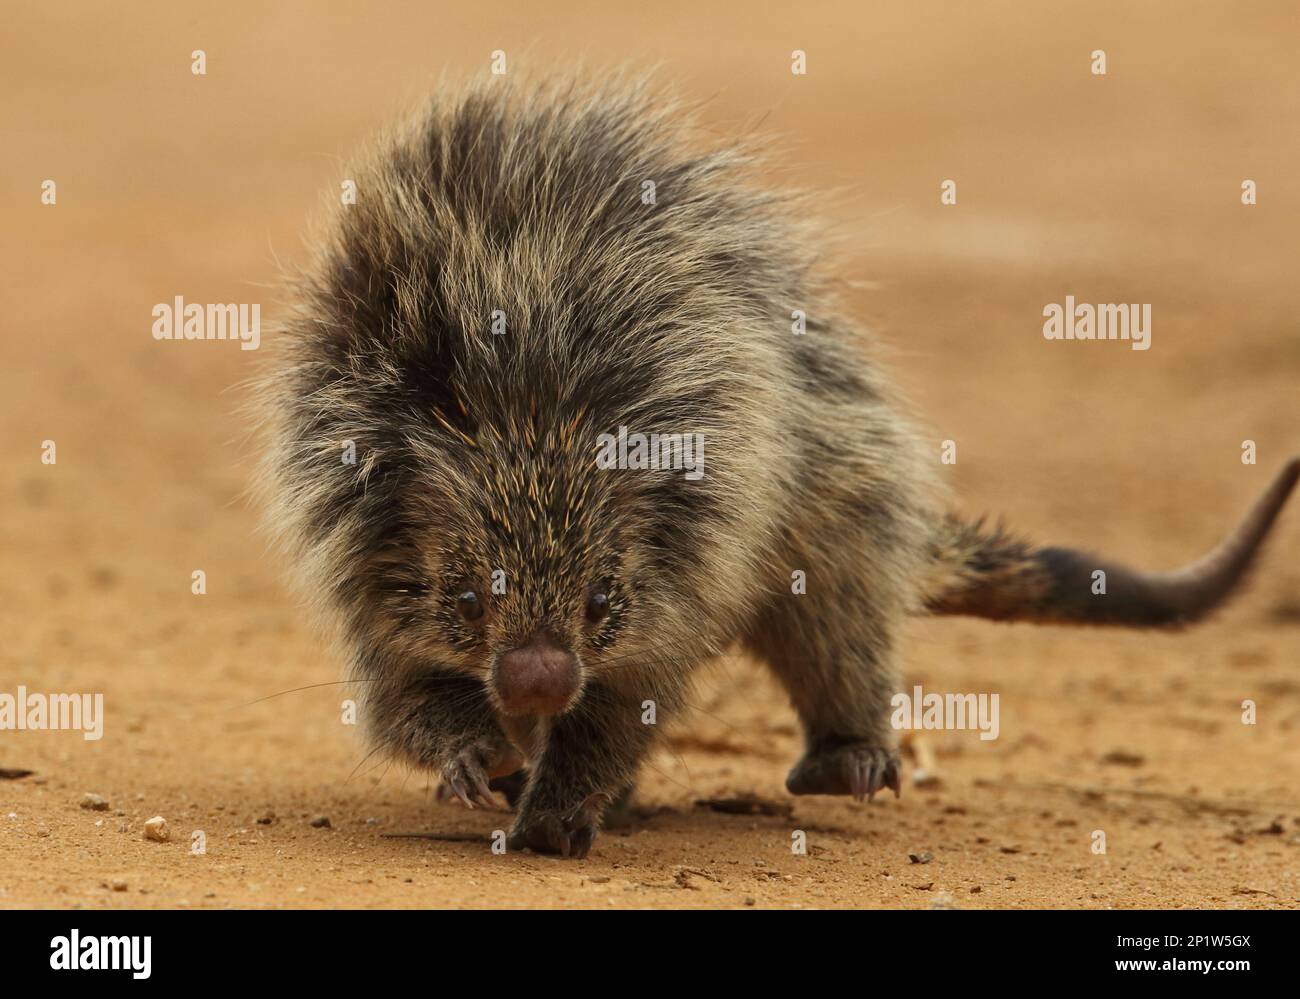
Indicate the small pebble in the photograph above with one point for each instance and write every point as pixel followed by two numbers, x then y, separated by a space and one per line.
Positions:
pixel 94 802
pixel 321 822
pixel 118 884
pixel 156 829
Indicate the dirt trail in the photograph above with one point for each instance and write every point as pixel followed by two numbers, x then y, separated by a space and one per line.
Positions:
pixel 1123 188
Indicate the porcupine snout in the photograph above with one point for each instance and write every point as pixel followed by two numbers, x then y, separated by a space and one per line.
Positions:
pixel 538 678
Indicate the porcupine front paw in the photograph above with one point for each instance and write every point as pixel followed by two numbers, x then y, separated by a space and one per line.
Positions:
pixel 468 774
pixel 568 833
pixel 857 768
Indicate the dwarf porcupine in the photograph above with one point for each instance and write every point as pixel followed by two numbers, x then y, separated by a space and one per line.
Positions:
pixel 523 272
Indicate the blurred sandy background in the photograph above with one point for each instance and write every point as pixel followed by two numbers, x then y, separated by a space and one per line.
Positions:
pixel 1123 188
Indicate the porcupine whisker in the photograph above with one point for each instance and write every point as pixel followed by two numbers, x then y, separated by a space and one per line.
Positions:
pixel 309 686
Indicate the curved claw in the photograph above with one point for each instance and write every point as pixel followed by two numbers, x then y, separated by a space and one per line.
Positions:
pixel 483 793
pixel 454 787
pixel 463 794
pixel 893 778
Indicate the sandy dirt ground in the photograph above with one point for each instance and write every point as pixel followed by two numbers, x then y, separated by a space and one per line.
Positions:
pixel 1122 188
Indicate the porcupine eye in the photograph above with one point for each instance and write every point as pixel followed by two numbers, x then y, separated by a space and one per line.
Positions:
pixel 469 605
pixel 597 607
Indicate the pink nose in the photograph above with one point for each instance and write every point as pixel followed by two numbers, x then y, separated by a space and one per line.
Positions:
pixel 539 678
